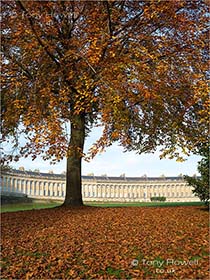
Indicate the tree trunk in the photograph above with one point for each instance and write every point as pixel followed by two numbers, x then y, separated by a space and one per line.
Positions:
pixel 74 163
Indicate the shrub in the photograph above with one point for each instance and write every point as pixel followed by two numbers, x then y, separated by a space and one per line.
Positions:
pixel 158 198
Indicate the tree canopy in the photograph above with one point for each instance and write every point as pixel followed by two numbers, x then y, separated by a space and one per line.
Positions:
pixel 201 185
pixel 138 68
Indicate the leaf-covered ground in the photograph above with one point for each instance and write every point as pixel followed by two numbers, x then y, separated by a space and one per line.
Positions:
pixel 106 243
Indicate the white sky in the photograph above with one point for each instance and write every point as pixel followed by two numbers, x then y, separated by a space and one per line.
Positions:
pixel 115 162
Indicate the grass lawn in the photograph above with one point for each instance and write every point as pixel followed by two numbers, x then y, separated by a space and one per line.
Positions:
pixel 27 206
pixel 43 205
pixel 106 243
pixel 142 204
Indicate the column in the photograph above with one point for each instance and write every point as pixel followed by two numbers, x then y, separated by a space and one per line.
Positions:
pixel 99 191
pixel 108 190
pixel 21 185
pixel 87 190
pixel 64 189
pixel 46 188
pixel 40 188
pixel 84 187
pixel 11 184
pixel 93 191
pixel 8 183
pixel 26 186
pixel 49 189
pixel 138 191
pixel 32 187
pixel 116 191
pixel 56 189
pixel 4 183
pixel 35 188
pixel 29 187
pixel 126 190
pixel 133 192
pixel 145 192
pixel 15 185
pixel 104 191
pixel 112 191
pixel 59 189
pixel 53 189
pixel 120 192
pixel 96 190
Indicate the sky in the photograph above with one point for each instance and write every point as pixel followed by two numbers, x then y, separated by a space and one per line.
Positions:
pixel 115 162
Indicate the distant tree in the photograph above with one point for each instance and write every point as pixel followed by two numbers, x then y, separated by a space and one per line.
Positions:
pixel 201 185
pixel 5 167
pixel 138 68
pixel 36 170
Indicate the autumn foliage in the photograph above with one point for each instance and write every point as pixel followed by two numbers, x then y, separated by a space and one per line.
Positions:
pixel 102 243
pixel 138 68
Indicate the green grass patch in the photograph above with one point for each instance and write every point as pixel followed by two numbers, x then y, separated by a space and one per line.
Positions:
pixel 27 206
pixel 47 204
pixel 143 204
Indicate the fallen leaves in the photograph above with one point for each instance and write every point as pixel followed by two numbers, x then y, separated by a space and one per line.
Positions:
pixel 106 243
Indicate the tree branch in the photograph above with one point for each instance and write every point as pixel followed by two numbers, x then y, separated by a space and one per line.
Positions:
pixel 26 71
pixel 36 34
pixel 109 19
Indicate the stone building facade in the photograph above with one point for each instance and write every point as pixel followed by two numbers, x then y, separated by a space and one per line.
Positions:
pixel 98 188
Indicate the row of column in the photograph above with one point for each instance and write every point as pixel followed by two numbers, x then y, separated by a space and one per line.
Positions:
pixel 44 188
pixel 136 191
pixel 33 187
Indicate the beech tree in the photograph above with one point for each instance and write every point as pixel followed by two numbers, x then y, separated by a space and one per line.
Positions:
pixel 200 185
pixel 136 68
